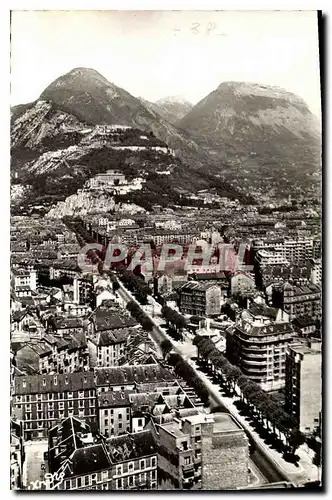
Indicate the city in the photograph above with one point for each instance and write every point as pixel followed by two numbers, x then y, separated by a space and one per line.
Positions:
pixel 165 292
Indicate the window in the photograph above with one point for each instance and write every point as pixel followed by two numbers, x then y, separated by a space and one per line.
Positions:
pixel 81 394
pixel 120 416
pixel 131 480
pixel 142 477
pixel 79 482
pixel 119 484
pixel 106 421
pixel 120 425
pixel 153 485
pixel 154 474
pixel 86 481
pixel 130 466
pixel 105 413
pixel 93 478
pixel 70 394
pixel 61 405
pixel 142 464
pixel 153 461
pixel 118 470
pixel 140 422
pixel 61 414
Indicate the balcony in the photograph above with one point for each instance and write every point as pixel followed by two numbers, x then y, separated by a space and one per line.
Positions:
pixel 188 468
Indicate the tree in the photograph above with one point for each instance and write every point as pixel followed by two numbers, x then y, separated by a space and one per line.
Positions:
pixel 166 347
pixel 295 439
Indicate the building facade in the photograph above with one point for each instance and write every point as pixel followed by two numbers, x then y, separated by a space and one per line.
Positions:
pixel 303 388
pixel 201 452
pixel 41 401
pixel 259 350
pixel 200 299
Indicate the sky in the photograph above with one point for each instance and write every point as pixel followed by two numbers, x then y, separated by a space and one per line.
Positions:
pixel 154 54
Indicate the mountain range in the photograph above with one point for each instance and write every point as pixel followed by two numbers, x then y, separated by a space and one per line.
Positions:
pixel 234 137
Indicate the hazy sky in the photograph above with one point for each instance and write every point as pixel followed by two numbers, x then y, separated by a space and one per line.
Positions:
pixel 154 54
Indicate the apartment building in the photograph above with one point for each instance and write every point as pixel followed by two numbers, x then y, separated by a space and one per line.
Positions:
pixel 114 415
pixel 41 401
pixel 292 250
pixel 242 284
pixel 53 354
pixel 180 237
pixel 109 347
pixel 303 387
pixel 259 350
pixel 201 452
pixel 200 298
pixel 298 298
pixel 86 462
pixel 23 278
pixel 126 378
pixel 271 258
pixel 63 326
pixel 135 461
pixel 315 266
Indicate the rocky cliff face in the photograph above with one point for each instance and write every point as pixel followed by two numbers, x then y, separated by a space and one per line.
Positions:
pixel 261 129
pixel 172 109
pixel 86 202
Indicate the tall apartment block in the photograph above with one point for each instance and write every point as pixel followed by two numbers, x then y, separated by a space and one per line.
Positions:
pixel 202 452
pixel 303 388
pixel 260 351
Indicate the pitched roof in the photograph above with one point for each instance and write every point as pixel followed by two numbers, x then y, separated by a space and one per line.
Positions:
pixel 124 375
pixel 112 399
pixel 71 322
pixel 113 321
pixel 41 384
pixel 87 460
pixel 111 337
pixel 131 446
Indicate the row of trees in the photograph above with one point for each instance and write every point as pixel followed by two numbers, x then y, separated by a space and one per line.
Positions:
pixel 140 316
pixel 135 284
pixel 175 321
pixel 185 371
pixel 261 406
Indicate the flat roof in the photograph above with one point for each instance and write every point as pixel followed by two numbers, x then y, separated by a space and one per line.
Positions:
pixel 224 422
